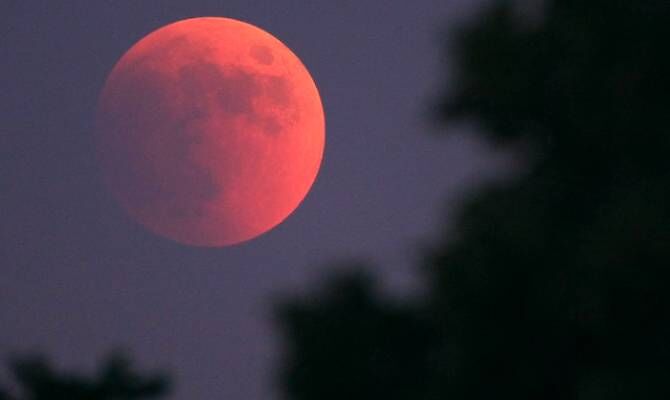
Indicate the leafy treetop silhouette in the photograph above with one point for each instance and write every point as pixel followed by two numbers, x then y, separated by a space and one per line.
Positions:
pixel 553 285
pixel 116 380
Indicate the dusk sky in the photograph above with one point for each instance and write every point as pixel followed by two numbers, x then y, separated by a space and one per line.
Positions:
pixel 79 278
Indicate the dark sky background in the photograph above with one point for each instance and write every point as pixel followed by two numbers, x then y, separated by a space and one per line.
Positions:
pixel 79 278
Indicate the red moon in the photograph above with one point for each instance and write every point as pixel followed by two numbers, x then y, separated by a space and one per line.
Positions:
pixel 210 131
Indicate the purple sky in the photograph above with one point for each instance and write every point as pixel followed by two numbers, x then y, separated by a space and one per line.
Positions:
pixel 78 277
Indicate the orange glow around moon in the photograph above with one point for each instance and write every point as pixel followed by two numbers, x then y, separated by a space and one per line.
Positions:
pixel 210 131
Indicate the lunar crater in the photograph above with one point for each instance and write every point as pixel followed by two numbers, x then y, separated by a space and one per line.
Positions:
pixel 260 98
pixel 262 54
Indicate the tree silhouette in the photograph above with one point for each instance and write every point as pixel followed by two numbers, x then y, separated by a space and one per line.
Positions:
pixel 353 345
pixel 556 284
pixel 116 380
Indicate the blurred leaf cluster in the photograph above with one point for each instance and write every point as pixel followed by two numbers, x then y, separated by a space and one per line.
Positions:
pixel 37 379
pixel 556 284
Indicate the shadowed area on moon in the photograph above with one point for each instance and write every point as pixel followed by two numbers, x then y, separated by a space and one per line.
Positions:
pixel 203 149
pixel 191 184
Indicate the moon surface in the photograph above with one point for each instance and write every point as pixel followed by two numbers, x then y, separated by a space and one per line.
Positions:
pixel 210 131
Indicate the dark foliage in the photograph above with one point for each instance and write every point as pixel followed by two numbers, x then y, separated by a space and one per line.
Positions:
pixel 116 380
pixel 557 284
pixel 354 344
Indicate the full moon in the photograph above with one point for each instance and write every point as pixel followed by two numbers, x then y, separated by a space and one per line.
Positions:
pixel 210 131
